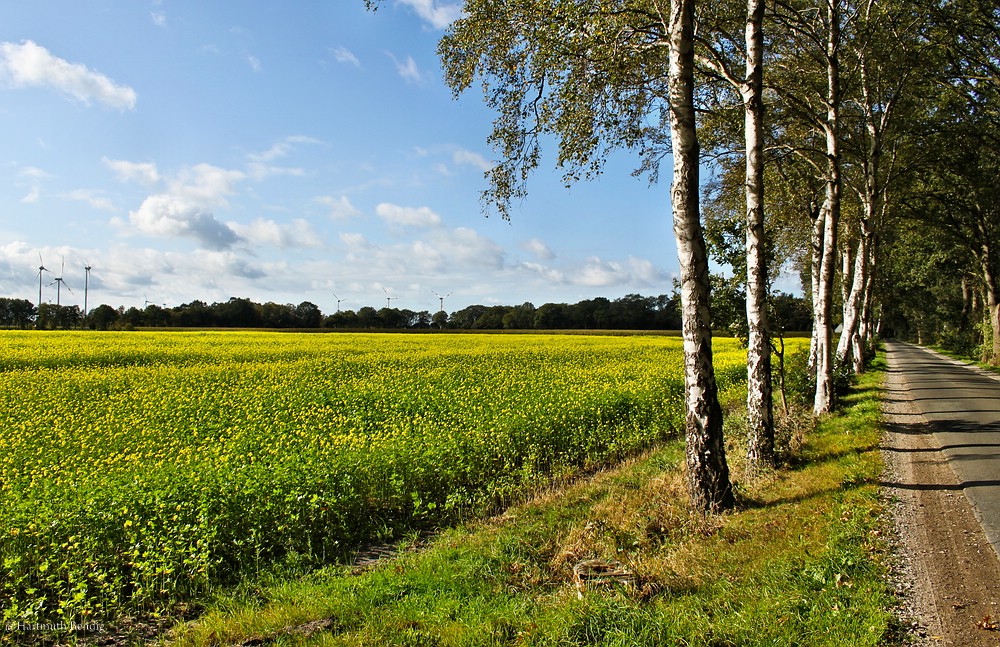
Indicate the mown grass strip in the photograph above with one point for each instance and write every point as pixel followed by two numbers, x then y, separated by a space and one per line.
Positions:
pixel 802 562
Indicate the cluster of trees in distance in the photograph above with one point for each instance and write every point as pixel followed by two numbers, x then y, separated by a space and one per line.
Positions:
pixel 631 312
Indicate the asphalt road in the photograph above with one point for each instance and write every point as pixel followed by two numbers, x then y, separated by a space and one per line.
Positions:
pixel 961 404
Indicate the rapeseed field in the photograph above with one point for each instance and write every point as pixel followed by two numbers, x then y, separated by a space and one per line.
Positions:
pixel 140 470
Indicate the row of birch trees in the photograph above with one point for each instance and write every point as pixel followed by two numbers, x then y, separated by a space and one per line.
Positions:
pixel 815 115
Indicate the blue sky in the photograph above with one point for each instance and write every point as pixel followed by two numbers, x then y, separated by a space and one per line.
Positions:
pixel 283 152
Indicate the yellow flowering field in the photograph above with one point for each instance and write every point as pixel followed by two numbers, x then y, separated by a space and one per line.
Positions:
pixel 140 469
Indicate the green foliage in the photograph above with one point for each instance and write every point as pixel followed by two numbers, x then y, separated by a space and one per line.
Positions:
pixel 984 332
pixel 800 381
pixel 965 343
pixel 588 74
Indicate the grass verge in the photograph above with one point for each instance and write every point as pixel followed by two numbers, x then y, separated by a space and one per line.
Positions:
pixel 801 562
pixel 968 359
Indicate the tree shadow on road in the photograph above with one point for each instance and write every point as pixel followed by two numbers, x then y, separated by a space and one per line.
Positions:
pixel 929 429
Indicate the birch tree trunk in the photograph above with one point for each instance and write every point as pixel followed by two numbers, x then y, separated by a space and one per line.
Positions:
pixel 880 91
pixel 846 348
pixel 760 405
pixel 823 401
pixel 816 259
pixel 862 340
pixel 709 487
pixel 848 256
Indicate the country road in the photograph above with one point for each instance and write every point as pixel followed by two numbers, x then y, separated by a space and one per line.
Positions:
pixel 962 406
pixel 942 450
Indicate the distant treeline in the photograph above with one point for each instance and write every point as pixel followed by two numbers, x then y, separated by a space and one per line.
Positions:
pixel 631 312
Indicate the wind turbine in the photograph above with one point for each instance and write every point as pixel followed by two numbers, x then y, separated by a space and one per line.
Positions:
pixel 441 299
pixel 41 268
pixel 59 282
pixel 387 297
pixel 86 287
pixel 338 300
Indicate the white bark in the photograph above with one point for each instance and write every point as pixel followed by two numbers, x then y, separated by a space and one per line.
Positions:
pixel 857 306
pixel 823 401
pixel 760 406
pixel 707 470
pixel 846 348
pixel 862 340
pixel 823 326
pixel 847 257
pixel 816 258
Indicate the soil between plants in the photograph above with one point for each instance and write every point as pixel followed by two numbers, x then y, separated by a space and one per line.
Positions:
pixel 947 573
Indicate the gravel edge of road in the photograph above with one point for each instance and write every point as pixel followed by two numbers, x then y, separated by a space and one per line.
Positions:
pixel 916 610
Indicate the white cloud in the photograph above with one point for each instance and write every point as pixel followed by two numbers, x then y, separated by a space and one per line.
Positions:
pixel 142 172
pixel 32 196
pixel 163 215
pixel 599 273
pixel 254 63
pixel 595 272
pixel 185 208
pixel 28 64
pixel 159 18
pixel 464 247
pixel 407 69
pixel 92 198
pixel 268 232
pixel 204 183
pixel 407 216
pixel 539 249
pixel 354 241
pixel 279 150
pixel 34 172
pixel 260 171
pixel 549 274
pixel 340 208
pixel 644 271
pixel 34 177
pixel 344 55
pixel 464 157
pixel 449 254
pixel 438 15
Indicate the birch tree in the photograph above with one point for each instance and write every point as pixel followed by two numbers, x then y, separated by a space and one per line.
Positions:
pixel 599 76
pixel 830 214
pixel 708 474
pixel 807 77
pixel 718 60
pixel 892 65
